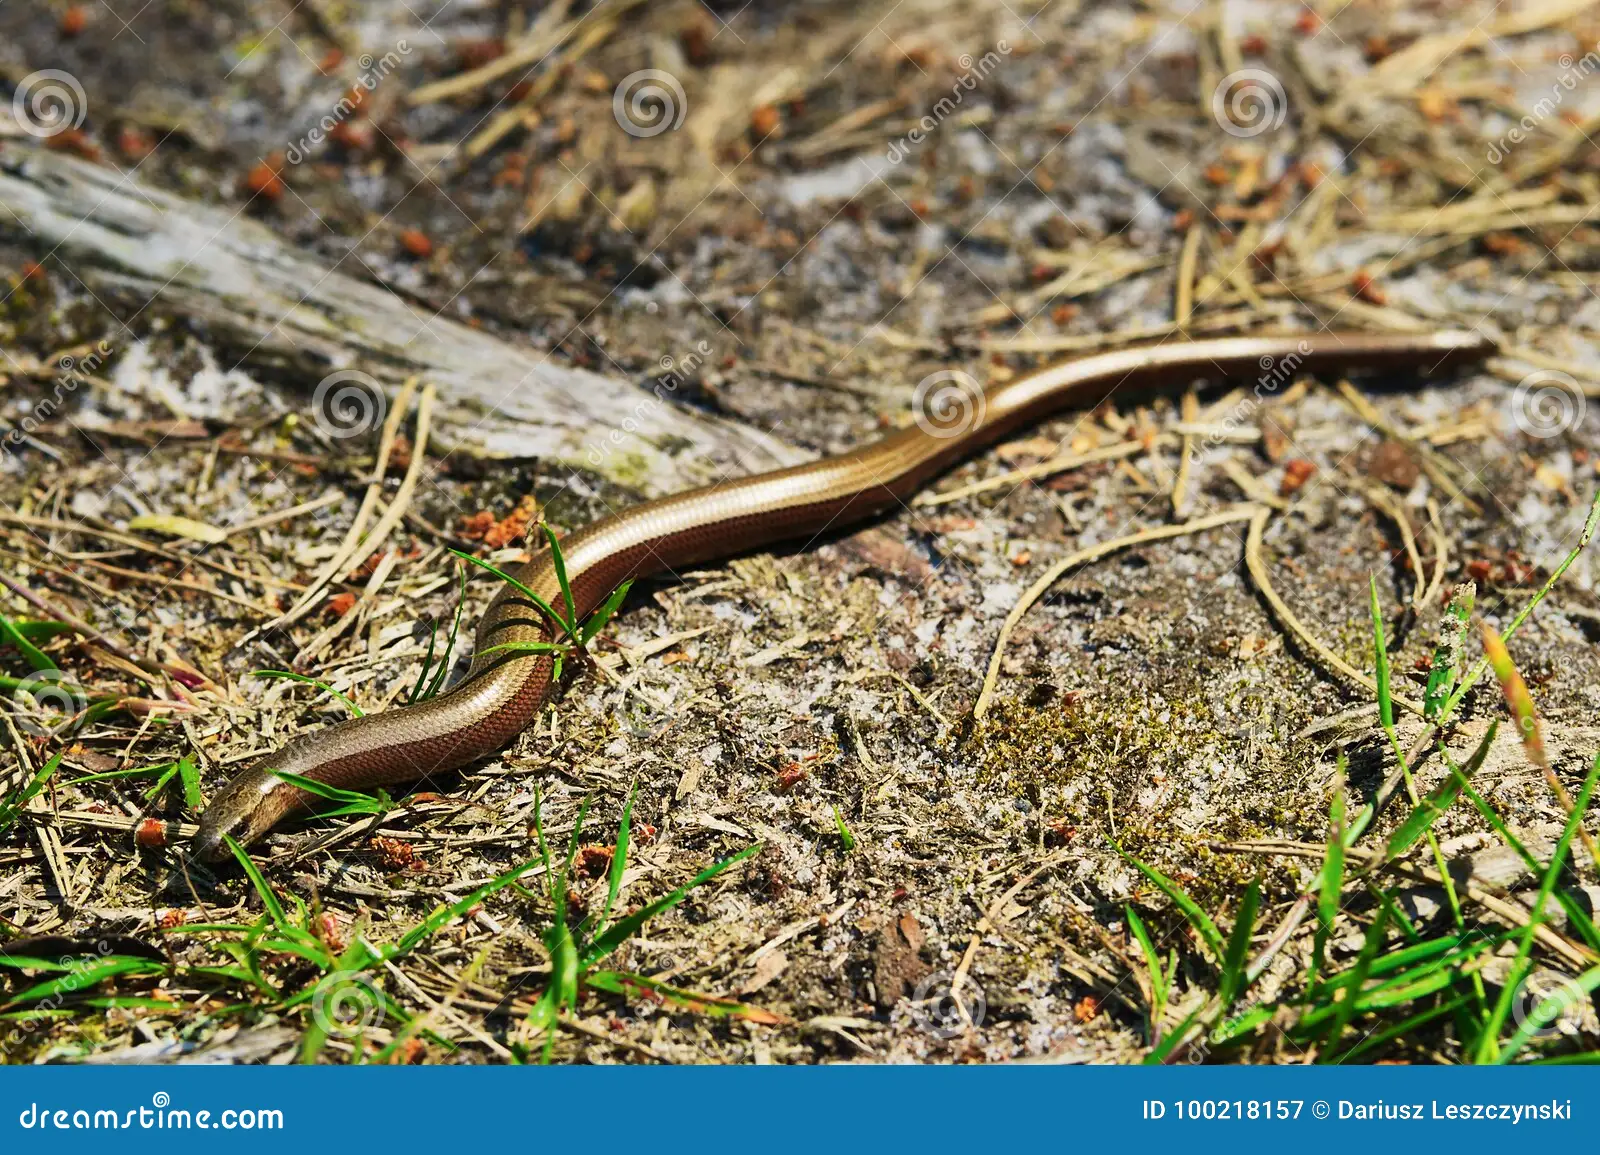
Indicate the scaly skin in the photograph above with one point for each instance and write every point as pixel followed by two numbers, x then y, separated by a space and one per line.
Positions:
pixel 504 692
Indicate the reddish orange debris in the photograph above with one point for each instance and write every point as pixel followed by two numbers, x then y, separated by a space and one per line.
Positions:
pixel 764 120
pixel 1296 473
pixel 395 853
pixel 263 179
pixel 354 135
pixel 133 143
pixel 341 604
pixel 75 141
pixel 74 20
pixel 1365 287
pixel 499 533
pixel 416 242
pixel 151 833
pixel 595 859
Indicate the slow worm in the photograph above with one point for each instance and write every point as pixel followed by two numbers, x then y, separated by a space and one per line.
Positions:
pixel 503 691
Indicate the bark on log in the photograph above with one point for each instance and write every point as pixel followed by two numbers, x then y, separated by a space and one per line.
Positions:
pixel 267 301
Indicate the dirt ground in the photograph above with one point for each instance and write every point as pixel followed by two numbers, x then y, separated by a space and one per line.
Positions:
pixel 831 226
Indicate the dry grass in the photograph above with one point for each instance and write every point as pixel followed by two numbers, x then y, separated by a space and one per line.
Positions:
pixel 1153 701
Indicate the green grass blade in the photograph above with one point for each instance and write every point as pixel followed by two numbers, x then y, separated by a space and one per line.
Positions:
pixel 1331 890
pixel 1488 1041
pixel 1403 1028
pixel 350 801
pixel 84 979
pixel 1199 919
pixel 450 643
pixel 130 772
pixel 1351 982
pixel 291 676
pixel 257 880
pixel 544 606
pixel 38 631
pixel 597 620
pixel 427 664
pixel 1170 1043
pixel 1380 658
pixel 1232 981
pixel 161 783
pixel 1481 666
pixel 1576 915
pixel 1437 803
pixel 1152 962
pixel 1446 668
pixel 12 805
pixel 1241 1025
pixel 847 840
pixel 1571 993
pixel 190 776
pixel 615 936
pixel 619 861
pixel 34 656
pixel 560 563
pixel 445 914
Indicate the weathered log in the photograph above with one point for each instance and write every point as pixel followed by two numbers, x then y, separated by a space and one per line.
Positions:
pixel 269 302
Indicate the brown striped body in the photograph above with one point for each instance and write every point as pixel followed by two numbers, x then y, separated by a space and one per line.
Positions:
pixel 504 692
